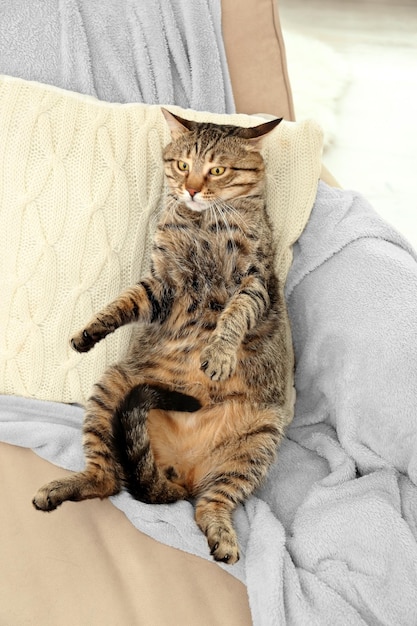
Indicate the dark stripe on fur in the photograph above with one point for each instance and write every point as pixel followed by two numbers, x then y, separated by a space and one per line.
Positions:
pixel 155 306
pixel 265 430
pixel 100 402
pixel 90 430
pixel 255 294
pixel 245 169
pixel 103 389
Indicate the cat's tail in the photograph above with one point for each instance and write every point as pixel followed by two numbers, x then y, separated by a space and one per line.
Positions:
pixel 143 479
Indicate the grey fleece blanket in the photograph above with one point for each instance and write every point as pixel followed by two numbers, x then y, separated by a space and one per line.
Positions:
pixel 331 538
pixel 120 50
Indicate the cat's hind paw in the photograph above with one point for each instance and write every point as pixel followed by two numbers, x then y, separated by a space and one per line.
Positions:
pixel 50 496
pixel 223 545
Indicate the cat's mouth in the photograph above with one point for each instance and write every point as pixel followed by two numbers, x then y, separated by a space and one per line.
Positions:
pixel 198 207
pixel 196 202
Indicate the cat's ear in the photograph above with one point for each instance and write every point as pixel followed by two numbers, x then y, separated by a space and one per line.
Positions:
pixel 177 125
pixel 256 134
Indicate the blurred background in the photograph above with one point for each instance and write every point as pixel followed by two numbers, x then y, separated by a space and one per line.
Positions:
pixel 353 67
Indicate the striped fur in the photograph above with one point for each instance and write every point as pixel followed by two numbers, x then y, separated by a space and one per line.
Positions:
pixel 198 406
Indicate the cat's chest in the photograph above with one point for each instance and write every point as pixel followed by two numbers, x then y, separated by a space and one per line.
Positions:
pixel 219 260
pixel 212 257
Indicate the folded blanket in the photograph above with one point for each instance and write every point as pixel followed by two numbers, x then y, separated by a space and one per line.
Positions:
pixel 331 538
pixel 154 52
pixel 363 327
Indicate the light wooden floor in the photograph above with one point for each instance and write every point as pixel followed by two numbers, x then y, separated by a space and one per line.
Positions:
pixel 375 147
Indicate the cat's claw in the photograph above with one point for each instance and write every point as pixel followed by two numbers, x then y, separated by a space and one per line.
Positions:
pixel 223 546
pixel 48 497
pixel 218 362
pixel 82 341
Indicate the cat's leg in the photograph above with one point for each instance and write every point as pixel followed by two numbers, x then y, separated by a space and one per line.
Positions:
pixel 219 358
pixel 148 301
pixel 234 469
pixel 116 444
pixel 215 520
pixel 102 475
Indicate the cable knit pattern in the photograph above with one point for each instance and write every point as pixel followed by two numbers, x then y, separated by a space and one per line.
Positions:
pixel 81 182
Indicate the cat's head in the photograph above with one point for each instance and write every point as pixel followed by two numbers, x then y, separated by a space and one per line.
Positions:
pixel 210 163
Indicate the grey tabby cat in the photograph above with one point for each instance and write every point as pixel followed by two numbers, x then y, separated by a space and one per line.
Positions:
pixel 199 405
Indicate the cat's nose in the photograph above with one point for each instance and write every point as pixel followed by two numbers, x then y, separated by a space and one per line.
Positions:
pixel 192 192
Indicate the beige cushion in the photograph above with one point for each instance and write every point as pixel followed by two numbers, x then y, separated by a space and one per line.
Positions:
pixel 256 57
pixel 81 185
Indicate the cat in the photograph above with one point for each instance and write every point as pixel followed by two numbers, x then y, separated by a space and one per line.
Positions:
pixel 197 408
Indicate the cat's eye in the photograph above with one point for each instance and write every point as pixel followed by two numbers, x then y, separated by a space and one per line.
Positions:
pixel 217 171
pixel 183 166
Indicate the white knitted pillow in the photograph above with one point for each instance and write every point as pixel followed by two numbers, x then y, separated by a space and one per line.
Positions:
pixel 80 186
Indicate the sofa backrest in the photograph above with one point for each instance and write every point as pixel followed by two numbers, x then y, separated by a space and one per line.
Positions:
pixel 256 56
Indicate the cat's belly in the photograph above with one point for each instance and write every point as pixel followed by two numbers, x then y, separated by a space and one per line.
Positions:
pixel 187 446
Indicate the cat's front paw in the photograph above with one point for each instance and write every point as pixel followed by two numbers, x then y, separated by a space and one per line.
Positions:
pixel 218 361
pixel 82 341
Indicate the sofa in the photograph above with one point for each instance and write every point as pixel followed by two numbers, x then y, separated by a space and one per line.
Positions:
pixel 331 538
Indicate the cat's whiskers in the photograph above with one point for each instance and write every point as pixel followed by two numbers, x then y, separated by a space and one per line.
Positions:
pixel 213 217
pixel 228 208
pixel 225 205
pixel 170 211
pixel 237 215
pixel 222 213
pixel 216 208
